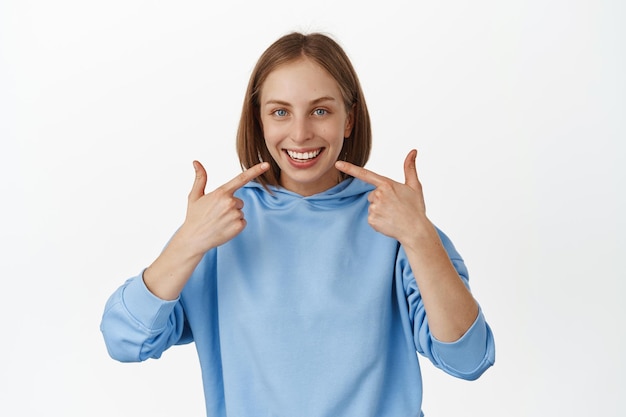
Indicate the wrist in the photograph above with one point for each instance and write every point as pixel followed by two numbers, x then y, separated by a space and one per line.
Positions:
pixel 187 245
pixel 422 233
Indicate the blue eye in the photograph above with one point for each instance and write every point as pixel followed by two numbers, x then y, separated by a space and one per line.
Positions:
pixel 280 112
pixel 320 112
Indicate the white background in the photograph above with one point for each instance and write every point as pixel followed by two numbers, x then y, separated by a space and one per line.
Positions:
pixel 518 110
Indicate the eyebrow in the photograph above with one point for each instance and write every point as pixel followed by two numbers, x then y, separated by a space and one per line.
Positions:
pixel 312 102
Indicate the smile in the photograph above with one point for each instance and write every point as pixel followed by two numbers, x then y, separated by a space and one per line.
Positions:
pixel 303 156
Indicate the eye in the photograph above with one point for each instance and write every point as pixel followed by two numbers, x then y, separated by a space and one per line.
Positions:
pixel 280 112
pixel 320 112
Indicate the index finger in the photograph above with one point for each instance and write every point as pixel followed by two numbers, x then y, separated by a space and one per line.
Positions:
pixel 360 173
pixel 245 177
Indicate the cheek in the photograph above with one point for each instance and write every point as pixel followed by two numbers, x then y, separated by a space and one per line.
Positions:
pixel 336 131
pixel 329 130
pixel 271 138
pixel 269 134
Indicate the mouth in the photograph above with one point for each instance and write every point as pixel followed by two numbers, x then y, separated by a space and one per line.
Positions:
pixel 303 156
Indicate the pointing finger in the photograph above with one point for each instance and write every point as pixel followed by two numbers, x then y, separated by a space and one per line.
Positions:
pixel 245 177
pixel 360 173
pixel 199 184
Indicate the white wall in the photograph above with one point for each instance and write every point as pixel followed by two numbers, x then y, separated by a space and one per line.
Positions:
pixel 517 107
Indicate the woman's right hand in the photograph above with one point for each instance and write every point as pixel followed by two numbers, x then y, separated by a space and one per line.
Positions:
pixel 212 219
pixel 215 218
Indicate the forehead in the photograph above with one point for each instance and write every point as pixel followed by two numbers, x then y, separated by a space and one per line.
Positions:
pixel 303 78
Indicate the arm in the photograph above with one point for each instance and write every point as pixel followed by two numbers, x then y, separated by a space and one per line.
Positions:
pixel 467 357
pixel 398 211
pixel 449 305
pixel 144 316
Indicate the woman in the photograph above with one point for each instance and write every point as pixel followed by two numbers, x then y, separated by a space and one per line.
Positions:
pixel 307 282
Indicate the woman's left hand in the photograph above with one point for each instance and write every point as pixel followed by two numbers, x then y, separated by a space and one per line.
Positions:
pixel 396 210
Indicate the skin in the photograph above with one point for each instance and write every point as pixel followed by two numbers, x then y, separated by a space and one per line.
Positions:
pixel 302 111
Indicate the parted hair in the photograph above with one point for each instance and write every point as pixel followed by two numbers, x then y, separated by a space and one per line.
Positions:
pixel 327 53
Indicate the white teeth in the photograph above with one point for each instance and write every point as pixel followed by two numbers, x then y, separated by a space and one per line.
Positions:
pixel 303 155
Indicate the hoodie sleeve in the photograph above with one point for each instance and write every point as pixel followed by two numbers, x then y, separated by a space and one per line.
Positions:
pixel 137 325
pixel 469 356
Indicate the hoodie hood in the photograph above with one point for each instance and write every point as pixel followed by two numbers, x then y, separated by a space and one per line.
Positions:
pixel 348 190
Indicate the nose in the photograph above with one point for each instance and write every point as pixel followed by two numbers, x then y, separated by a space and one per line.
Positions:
pixel 301 130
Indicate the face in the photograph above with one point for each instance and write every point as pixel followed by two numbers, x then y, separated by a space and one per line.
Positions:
pixel 304 121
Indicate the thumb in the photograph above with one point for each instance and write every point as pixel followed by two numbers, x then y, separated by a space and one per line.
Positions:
pixel 199 184
pixel 410 171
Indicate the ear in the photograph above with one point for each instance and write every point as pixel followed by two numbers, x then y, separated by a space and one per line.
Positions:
pixel 349 122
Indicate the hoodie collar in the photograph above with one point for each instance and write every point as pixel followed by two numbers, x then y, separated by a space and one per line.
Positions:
pixel 344 192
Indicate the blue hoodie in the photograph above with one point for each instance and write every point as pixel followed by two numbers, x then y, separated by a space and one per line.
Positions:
pixel 307 312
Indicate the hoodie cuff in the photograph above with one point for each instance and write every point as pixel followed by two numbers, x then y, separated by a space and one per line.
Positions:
pixel 150 311
pixel 470 354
